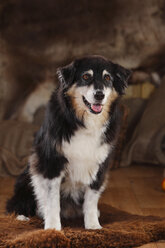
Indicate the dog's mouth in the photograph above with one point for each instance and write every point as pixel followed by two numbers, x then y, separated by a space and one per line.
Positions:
pixel 94 108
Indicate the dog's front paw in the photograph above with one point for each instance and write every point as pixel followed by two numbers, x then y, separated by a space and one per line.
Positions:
pixel 93 226
pixel 91 221
pixel 53 225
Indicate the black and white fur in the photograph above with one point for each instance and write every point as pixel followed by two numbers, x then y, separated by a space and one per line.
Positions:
pixel 67 169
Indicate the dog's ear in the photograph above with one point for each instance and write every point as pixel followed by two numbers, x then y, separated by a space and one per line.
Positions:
pixel 66 74
pixel 121 76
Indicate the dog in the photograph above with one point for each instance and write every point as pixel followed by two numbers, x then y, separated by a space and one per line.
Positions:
pixel 67 169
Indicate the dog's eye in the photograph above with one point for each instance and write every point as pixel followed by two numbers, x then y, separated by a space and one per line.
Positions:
pixel 85 76
pixel 107 77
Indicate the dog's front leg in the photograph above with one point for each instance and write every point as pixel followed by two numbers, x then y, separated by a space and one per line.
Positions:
pixel 52 208
pixel 90 209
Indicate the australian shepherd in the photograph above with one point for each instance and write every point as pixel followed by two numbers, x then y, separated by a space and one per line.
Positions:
pixel 67 169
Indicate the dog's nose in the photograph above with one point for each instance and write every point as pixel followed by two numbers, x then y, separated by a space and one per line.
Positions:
pixel 99 95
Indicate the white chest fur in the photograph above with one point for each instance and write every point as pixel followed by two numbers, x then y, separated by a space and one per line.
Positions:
pixel 85 153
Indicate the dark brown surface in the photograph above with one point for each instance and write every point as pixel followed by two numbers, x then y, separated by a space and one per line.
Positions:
pixel 120 229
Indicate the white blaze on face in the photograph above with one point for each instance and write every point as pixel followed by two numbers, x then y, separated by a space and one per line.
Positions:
pixel 88 92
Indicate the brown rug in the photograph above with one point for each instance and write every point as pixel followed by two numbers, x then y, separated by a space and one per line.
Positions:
pixel 120 230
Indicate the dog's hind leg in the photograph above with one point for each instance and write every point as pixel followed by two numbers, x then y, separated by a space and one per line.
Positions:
pixel 22 218
pixel 23 201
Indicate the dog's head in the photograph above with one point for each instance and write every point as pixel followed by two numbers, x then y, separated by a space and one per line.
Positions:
pixel 93 83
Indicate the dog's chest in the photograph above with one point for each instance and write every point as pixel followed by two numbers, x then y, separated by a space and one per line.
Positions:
pixel 85 153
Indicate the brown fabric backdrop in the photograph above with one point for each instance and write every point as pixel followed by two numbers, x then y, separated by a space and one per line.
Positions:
pixel 15 144
pixel 145 144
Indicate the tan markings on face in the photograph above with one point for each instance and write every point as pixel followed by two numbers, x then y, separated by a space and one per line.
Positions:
pixel 110 99
pixel 100 119
pixel 82 111
pixel 77 102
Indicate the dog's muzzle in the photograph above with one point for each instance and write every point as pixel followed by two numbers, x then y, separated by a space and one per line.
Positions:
pixel 94 108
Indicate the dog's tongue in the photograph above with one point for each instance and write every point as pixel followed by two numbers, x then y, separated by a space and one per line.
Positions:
pixel 96 107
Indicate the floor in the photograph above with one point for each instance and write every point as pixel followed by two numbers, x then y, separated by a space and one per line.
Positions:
pixel 136 189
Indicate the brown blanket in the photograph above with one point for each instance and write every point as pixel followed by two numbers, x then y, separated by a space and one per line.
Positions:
pixel 15 144
pixel 147 142
pixel 120 230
